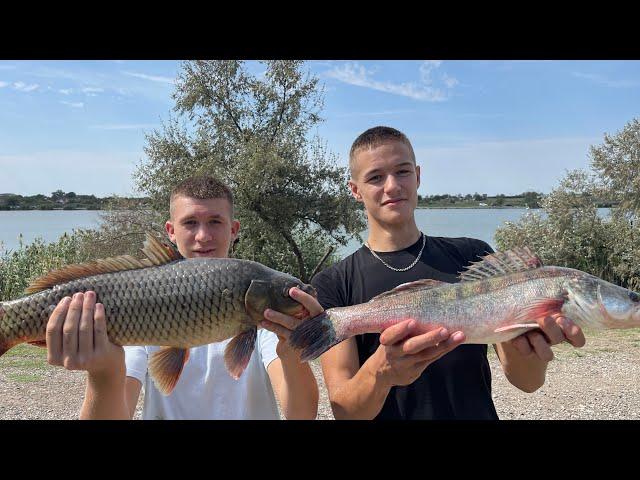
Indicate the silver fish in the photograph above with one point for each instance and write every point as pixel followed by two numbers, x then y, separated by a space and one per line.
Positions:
pixel 497 299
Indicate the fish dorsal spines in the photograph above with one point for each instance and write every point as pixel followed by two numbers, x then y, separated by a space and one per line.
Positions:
pixel 497 264
pixel 406 287
pixel 156 253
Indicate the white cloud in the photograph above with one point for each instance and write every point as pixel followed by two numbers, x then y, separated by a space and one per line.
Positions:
pixel 152 78
pixel 66 91
pixel 426 68
pixel 606 81
pixel 425 90
pixel 23 87
pixel 92 91
pixel 124 126
pixel 73 104
pixel 373 114
pixel 450 82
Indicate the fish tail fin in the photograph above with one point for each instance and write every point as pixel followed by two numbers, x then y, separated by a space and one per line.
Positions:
pixel 4 343
pixel 314 337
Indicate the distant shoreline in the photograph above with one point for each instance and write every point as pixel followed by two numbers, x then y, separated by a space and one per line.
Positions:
pixel 476 207
pixel 419 207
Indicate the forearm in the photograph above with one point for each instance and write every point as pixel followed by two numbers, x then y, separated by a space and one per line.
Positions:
pixel 299 392
pixel 105 399
pixel 526 372
pixel 362 396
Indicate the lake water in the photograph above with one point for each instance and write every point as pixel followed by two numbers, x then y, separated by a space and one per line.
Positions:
pixel 48 224
pixel 476 223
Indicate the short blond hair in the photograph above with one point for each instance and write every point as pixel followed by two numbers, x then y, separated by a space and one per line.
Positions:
pixel 201 187
pixel 376 136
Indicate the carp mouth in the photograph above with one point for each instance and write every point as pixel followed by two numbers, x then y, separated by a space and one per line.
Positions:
pixel 301 313
pixel 308 289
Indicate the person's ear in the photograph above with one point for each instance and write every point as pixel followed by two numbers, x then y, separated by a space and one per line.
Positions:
pixel 168 226
pixel 235 230
pixel 353 186
pixel 418 174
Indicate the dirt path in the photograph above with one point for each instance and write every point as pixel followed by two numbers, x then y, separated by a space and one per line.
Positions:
pixel 599 381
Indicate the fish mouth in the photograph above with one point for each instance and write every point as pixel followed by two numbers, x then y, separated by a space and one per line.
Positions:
pixel 301 314
pixel 309 290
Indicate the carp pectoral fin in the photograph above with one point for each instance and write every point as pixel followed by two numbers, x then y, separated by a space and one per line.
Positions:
pixel 238 352
pixel 165 367
pixel 39 343
pixel 525 327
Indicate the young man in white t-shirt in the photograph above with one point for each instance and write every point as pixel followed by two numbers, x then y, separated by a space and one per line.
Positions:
pixel 201 224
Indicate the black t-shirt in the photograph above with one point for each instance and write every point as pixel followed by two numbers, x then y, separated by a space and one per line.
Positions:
pixel 456 386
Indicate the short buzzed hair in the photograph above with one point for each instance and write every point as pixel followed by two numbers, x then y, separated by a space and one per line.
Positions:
pixel 202 187
pixel 376 136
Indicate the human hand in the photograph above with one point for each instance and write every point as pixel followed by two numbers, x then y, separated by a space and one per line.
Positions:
pixel 404 353
pixel 283 325
pixel 77 337
pixel 554 329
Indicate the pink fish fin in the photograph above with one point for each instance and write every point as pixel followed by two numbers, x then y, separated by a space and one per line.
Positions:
pixel 39 343
pixel 159 252
pixel 538 308
pixel 515 260
pixel 409 286
pixel 238 352
pixel 517 326
pixel 165 367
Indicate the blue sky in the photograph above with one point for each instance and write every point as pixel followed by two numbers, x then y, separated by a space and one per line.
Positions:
pixel 476 126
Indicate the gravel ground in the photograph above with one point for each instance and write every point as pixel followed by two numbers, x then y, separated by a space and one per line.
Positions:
pixel 599 381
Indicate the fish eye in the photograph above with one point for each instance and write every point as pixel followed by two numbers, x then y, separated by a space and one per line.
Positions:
pixel 634 297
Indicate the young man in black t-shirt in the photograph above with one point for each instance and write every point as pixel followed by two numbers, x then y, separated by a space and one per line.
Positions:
pixel 401 374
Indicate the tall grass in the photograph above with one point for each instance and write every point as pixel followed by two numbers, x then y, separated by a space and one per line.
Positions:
pixel 18 267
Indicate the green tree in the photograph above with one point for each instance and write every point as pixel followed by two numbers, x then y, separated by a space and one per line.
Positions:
pixel 57 195
pixel 253 131
pixel 531 199
pixel 573 233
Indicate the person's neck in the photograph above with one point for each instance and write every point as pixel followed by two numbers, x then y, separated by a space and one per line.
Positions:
pixel 392 238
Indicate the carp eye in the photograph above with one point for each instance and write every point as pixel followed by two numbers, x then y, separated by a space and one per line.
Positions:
pixel 634 297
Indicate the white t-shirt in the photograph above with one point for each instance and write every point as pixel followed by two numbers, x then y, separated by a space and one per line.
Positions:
pixel 205 390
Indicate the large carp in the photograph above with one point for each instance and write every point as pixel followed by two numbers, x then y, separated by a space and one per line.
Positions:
pixel 497 299
pixel 163 300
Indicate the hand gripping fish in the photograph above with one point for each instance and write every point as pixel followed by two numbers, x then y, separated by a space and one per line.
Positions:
pixel 163 300
pixel 497 299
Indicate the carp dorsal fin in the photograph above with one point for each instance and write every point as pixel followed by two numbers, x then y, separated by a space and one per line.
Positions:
pixel 502 263
pixel 156 253
pixel 406 287
pixel 159 252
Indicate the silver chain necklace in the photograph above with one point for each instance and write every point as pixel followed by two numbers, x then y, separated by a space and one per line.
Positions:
pixel 424 242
